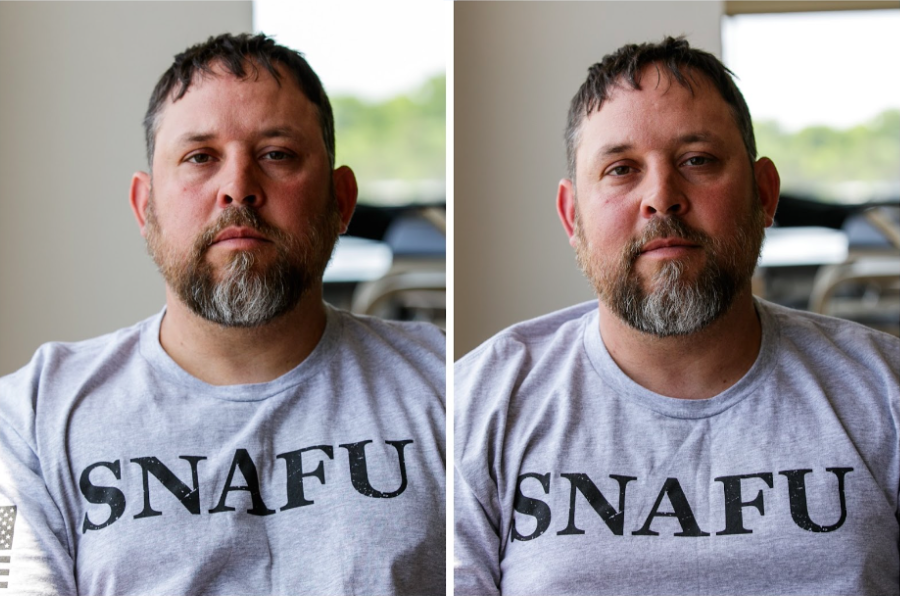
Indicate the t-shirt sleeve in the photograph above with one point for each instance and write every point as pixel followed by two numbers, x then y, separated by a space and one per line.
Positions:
pixel 482 380
pixel 476 544
pixel 34 555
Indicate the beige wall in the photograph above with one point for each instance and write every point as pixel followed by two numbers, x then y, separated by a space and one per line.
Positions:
pixel 75 78
pixel 516 66
pixel 74 82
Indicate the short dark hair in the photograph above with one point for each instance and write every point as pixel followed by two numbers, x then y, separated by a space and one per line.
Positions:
pixel 626 63
pixel 237 54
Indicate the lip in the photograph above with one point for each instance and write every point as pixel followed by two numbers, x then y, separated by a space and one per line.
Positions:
pixel 662 244
pixel 239 234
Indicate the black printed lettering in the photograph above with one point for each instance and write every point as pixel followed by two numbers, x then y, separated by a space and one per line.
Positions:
pixel 295 475
pixel 582 483
pixel 102 495
pixel 682 511
pixel 359 473
pixel 797 497
pixel 536 508
pixel 243 461
pixel 189 497
pixel 734 506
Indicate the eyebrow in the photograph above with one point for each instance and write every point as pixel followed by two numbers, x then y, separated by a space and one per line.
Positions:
pixel 280 131
pixel 697 137
pixel 694 137
pixel 614 149
pixel 269 133
pixel 195 137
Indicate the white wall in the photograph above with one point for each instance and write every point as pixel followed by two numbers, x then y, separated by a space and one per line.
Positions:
pixel 75 79
pixel 516 67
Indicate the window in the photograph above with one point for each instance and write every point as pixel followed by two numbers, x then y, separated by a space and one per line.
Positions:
pixel 826 109
pixel 383 65
pixel 824 99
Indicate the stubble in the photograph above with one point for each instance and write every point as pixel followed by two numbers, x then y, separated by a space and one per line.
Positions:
pixel 671 301
pixel 246 291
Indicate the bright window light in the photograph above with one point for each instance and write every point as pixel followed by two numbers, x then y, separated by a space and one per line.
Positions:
pixel 824 98
pixel 383 65
pixel 372 50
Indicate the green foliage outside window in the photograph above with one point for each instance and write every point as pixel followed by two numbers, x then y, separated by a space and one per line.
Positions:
pixel 853 165
pixel 401 141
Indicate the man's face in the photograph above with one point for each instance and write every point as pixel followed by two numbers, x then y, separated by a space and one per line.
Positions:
pixel 668 222
pixel 242 213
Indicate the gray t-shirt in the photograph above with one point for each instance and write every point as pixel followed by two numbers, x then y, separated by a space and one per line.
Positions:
pixel 122 474
pixel 573 479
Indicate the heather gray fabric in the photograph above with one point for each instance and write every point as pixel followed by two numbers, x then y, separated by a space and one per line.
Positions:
pixel 572 479
pixel 128 476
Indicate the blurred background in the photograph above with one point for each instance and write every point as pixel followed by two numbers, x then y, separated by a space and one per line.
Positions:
pixel 827 112
pixel 384 67
pixel 75 79
pixel 826 109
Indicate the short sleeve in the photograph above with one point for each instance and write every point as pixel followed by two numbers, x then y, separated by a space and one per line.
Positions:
pixel 34 552
pixel 476 545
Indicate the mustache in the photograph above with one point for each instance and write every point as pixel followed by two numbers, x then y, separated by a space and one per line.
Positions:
pixel 665 227
pixel 239 216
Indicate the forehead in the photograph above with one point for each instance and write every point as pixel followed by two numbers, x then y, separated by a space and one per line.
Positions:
pixel 223 104
pixel 660 112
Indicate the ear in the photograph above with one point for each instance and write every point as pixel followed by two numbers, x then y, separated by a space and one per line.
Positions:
pixel 566 207
pixel 346 192
pixel 140 197
pixel 768 184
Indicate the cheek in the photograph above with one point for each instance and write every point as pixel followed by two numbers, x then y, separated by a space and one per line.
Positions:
pixel 298 200
pixel 184 212
pixel 609 223
pixel 718 208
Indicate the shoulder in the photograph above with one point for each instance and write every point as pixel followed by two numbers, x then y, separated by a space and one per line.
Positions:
pixel 833 341
pixel 855 368
pixel 396 346
pixel 501 373
pixel 56 358
pixel 525 344
pixel 495 383
pixel 59 369
pixel 423 338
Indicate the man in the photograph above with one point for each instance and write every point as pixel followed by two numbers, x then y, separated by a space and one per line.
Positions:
pixel 678 436
pixel 249 439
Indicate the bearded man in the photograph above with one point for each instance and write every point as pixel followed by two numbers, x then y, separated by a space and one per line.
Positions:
pixel 677 436
pixel 249 439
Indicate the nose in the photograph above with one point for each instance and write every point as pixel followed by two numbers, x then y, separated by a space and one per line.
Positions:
pixel 663 193
pixel 240 184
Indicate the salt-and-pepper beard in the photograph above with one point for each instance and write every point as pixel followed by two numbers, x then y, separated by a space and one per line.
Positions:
pixel 675 305
pixel 246 293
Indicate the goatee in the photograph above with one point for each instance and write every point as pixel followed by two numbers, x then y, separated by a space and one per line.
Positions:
pixel 669 302
pixel 246 291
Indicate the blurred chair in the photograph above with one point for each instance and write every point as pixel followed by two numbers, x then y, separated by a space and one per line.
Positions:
pixel 866 287
pixel 415 288
pixel 405 295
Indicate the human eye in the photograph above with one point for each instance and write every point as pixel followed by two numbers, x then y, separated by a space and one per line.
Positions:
pixel 619 171
pixel 199 158
pixel 698 160
pixel 277 155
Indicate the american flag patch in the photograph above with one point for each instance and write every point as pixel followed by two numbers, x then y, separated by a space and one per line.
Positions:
pixel 7 524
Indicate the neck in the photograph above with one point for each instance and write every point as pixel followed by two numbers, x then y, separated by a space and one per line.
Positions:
pixel 234 355
pixel 696 366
